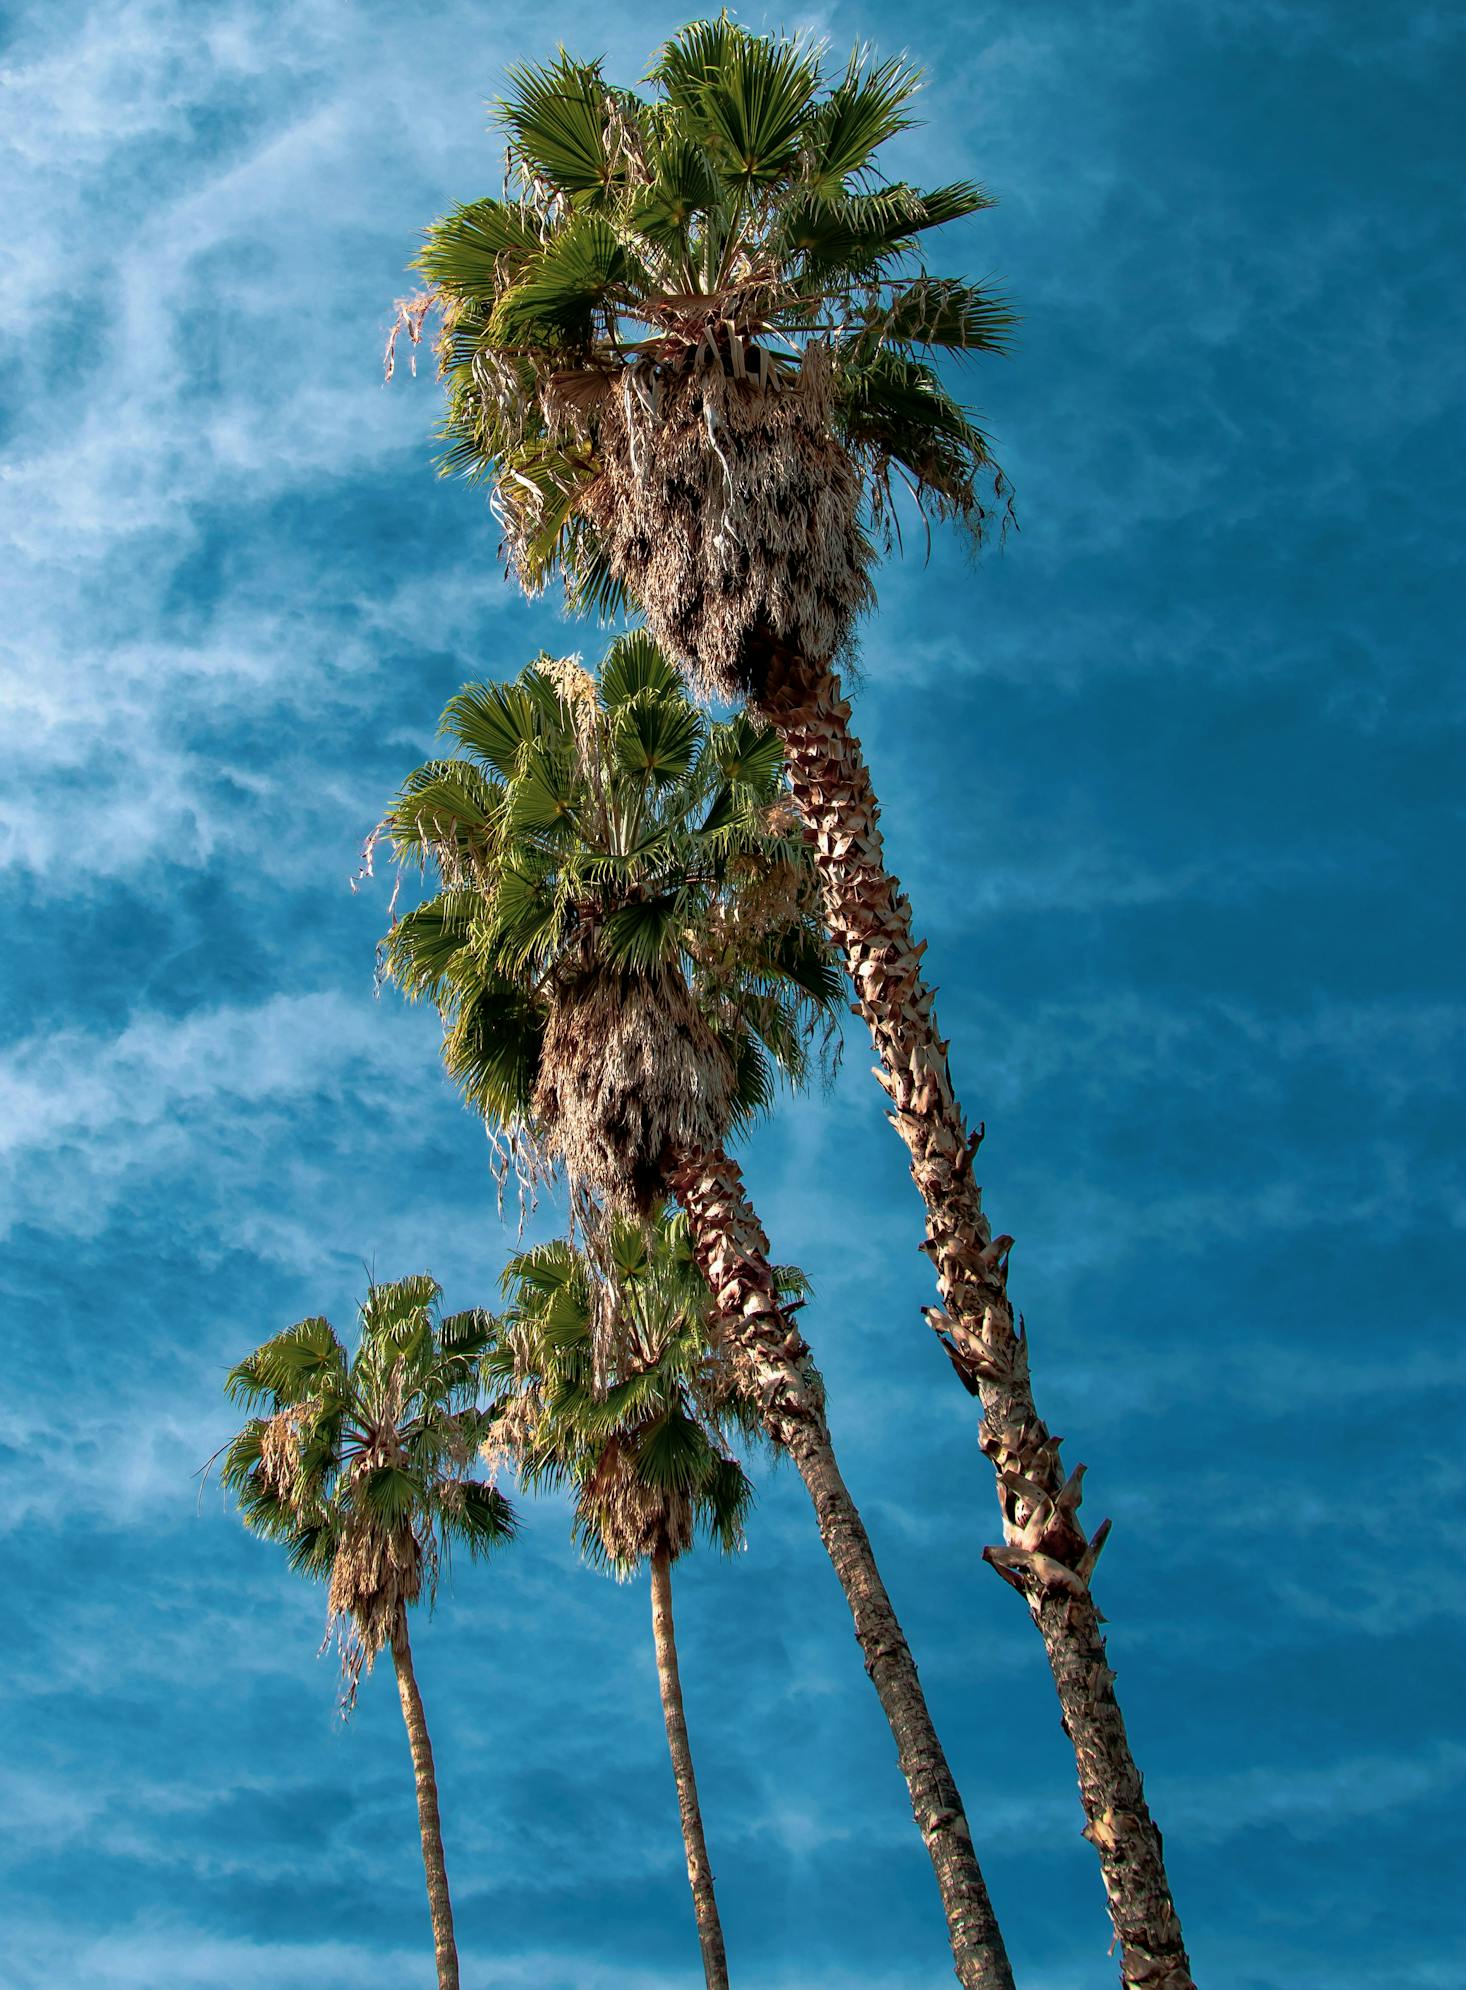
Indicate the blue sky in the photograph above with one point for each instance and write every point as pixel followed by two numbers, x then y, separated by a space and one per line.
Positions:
pixel 1174 780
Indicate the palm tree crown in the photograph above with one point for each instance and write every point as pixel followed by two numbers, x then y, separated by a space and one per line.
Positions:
pixel 360 1463
pixel 641 1433
pixel 695 333
pixel 616 1382
pixel 624 946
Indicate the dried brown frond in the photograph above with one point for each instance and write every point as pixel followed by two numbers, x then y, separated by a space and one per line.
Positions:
pixel 280 1450
pixel 408 314
pixel 574 684
pixel 730 511
pixel 514 1431
pixel 375 1573
pixel 629 1072
pixel 633 1520
pixel 515 1155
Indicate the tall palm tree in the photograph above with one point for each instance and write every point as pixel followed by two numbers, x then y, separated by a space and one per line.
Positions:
pixel 693 350
pixel 359 1467
pixel 625 950
pixel 637 1420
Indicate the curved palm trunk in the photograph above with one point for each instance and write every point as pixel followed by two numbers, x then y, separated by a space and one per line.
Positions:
pixel 445 1950
pixel 733 1254
pixel 1046 1554
pixel 699 1869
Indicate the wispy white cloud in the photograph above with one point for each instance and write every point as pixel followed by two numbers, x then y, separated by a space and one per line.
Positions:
pixel 1310 1802
pixel 145 1956
pixel 132 1104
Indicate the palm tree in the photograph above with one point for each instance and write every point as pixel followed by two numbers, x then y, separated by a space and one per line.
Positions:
pixel 359 1467
pixel 637 1420
pixel 692 351
pixel 624 950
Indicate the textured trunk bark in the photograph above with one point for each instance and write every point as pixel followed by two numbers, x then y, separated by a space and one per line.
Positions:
pixel 445 1950
pixel 699 1869
pixel 1046 1554
pixel 733 1254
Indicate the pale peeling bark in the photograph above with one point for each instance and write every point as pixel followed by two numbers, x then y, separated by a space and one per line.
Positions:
pixel 1046 1554
pixel 445 1949
pixel 733 1254
pixel 699 1868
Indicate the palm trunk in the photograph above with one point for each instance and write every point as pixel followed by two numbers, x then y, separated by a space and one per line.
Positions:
pixel 1046 1554
pixel 445 1950
pixel 699 1870
pixel 733 1254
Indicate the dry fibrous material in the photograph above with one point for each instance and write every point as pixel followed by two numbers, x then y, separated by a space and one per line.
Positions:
pixel 280 1449
pixel 636 1521
pixel 376 1572
pixel 730 511
pixel 630 1071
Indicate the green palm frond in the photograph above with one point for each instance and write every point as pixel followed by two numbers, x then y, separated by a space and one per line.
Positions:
pixel 681 183
pixel 540 494
pixel 937 311
pixel 692 59
pixel 304 1361
pixel 476 249
pixel 492 1049
pixel 857 235
pixel 555 295
pixel 497 723
pixel 743 188
pixel 445 801
pixel 727 1499
pixel 464 1336
pixel 895 409
pixel 427 944
pixel 591 587
pixel 673 1456
pixel 311 1549
pixel 865 108
pixel 753 1077
pixel 655 737
pixel 644 935
pixel 398 1314
pixel 556 115
pixel 752 99
pixel 748 756
pixel 633 665
pixel 478 1517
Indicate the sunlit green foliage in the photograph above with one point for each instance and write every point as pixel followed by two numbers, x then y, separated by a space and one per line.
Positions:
pixel 360 1465
pixel 604 825
pixel 740 203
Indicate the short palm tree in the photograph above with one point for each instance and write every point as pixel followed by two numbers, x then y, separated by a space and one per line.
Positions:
pixel 637 1420
pixel 359 1466
pixel 624 950
pixel 693 351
